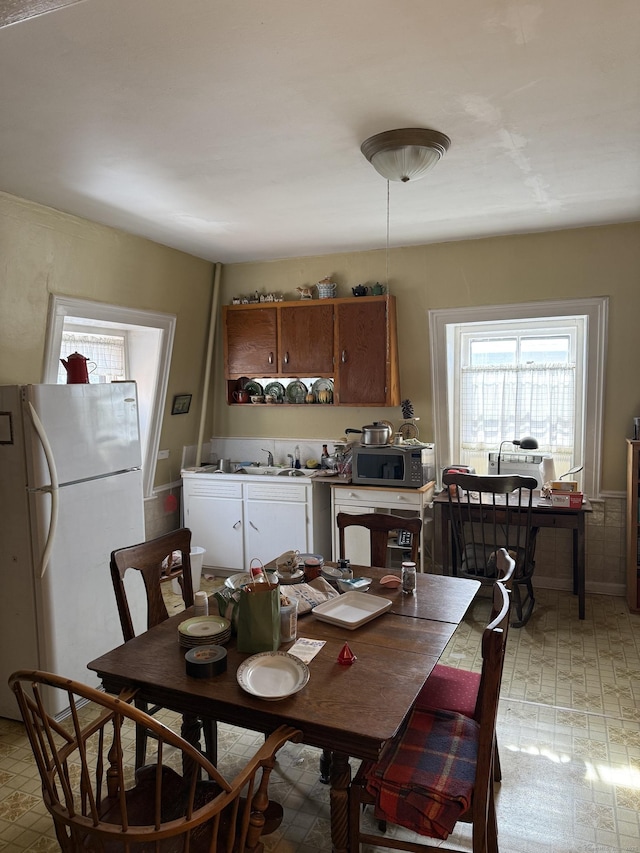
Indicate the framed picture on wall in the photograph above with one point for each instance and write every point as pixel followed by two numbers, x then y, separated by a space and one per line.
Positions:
pixel 181 403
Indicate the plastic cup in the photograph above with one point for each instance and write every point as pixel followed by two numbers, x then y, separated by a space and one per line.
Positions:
pixel 197 557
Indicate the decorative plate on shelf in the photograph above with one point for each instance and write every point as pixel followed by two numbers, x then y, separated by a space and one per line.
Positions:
pixel 254 388
pixel 295 390
pixel 275 389
pixel 322 385
pixel 408 430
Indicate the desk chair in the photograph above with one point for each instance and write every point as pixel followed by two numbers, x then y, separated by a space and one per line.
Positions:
pixel 98 803
pixel 380 525
pixel 450 688
pixel 147 558
pixel 408 784
pixel 482 522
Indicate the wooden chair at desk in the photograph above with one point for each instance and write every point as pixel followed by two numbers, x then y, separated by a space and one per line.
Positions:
pixel 147 558
pixel 380 525
pixel 409 784
pixel 95 804
pixel 487 513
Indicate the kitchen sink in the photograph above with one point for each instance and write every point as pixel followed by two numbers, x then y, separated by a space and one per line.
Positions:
pixel 273 471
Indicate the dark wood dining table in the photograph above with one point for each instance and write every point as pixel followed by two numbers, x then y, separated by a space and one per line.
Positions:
pixel 350 710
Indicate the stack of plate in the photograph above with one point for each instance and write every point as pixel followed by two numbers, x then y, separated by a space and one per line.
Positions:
pixel 204 631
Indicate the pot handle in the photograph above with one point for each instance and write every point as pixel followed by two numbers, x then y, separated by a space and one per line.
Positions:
pixel 353 430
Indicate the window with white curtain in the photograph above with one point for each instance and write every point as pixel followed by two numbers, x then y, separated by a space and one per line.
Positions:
pixel 506 372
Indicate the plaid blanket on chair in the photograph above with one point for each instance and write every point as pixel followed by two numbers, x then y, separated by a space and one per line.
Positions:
pixel 424 778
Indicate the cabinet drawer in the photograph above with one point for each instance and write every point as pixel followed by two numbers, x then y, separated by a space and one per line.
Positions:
pixel 207 488
pixel 377 497
pixel 276 492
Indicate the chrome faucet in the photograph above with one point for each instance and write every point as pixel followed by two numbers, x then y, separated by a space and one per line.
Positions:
pixel 290 458
pixel 269 457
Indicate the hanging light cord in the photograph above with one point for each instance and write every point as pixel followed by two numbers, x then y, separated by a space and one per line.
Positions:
pixel 387 259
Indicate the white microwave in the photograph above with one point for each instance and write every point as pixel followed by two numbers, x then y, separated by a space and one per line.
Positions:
pixel 406 466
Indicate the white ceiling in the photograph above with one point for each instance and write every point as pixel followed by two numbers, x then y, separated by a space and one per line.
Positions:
pixel 231 129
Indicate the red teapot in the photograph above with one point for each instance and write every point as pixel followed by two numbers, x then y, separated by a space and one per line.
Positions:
pixel 76 366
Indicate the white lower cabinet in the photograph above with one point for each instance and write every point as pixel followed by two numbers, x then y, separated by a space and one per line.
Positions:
pixel 358 500
pixel 236 518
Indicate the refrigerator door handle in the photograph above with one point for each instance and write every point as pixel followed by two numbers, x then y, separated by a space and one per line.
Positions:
pixel 52 488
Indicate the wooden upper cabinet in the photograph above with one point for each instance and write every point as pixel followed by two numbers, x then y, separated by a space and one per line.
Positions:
pixel 366 353
pixel 250 341
pixel 352 340
pixel 306 339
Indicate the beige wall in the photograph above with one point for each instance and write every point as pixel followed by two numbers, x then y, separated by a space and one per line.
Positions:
pixel 45 252
pixel 603 261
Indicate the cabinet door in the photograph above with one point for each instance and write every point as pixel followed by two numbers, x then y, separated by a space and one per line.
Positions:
pixel 250 336
pixel 363 353
pixel 273 528
pixel 216 523
pixel 306 340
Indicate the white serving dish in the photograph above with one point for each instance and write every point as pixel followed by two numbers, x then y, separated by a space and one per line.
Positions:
pixel 272 675
pixel 352 609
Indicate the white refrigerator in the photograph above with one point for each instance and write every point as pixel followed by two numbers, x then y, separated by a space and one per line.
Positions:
pixel 70 493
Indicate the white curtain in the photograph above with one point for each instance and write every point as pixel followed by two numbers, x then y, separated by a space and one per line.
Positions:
pixel 498 403
pixel 107 352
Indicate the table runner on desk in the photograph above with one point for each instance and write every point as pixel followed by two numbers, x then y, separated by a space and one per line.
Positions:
pixel 424 779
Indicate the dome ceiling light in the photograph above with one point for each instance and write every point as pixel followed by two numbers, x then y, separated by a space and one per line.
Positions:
pixel 407 154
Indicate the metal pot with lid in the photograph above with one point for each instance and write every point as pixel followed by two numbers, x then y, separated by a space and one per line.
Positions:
pixel 376 434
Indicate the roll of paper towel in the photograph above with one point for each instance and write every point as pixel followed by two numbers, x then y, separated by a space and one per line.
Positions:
pixel 547 470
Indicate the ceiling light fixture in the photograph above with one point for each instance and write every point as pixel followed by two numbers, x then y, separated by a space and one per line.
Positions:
pixel 405 155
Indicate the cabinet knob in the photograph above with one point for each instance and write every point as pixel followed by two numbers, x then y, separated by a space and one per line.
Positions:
pixel 270 358
pixel 254 527
pixel 286 358
pixel 237 524
pixel 343 358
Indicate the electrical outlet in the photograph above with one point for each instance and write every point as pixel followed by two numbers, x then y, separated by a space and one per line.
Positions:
pixel 163 454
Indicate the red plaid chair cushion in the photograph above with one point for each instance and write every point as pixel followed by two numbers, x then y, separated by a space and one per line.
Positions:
pixel 450 689
pixel 424 778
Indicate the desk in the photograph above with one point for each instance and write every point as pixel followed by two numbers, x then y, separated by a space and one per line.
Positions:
pixel 543 515
pixel 340 708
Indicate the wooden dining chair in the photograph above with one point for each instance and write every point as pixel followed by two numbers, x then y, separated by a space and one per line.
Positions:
pixel 380 526
pixel 449 688
pixel 99 802
pixel 439 769
pixel 148 559
pixel 488 513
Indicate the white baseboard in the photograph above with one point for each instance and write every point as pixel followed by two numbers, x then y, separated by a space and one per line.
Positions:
pixel 542 582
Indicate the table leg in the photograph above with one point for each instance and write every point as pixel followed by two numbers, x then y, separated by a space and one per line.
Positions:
pixel 325 766
pixel 579 567
pixel 444 542
pixel 190 731
pixel 339 801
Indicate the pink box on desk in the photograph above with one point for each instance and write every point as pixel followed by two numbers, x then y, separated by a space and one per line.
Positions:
pixel 570 500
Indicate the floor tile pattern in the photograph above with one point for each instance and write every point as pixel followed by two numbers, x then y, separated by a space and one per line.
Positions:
pixel 569 733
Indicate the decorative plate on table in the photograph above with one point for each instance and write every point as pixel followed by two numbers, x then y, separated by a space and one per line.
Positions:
pixel 204 631
pixel 294 577
pixel 276 389
pixel 253 388
pixel 296 389
pixel 272 675
pixel 408 430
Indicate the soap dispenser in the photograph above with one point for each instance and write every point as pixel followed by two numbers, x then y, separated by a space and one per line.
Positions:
pixel 297 454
